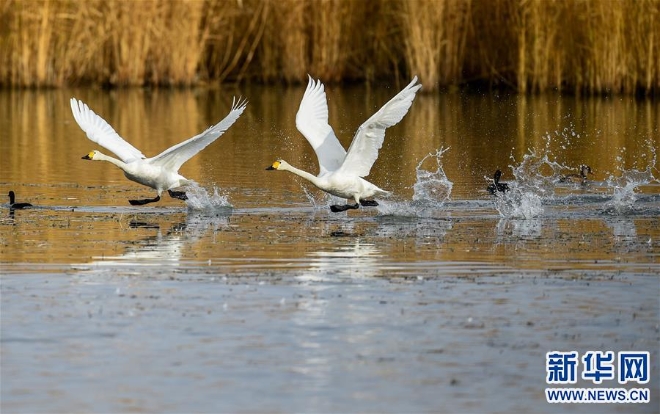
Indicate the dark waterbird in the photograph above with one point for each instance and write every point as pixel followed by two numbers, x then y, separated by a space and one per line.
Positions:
pixel 13 205
pixel 496 185
pixel 580 178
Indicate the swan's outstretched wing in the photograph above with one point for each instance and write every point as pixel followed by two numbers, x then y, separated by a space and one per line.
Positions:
pixel 99 131
pixel 173 157
pixel 368 139
pixel 312 122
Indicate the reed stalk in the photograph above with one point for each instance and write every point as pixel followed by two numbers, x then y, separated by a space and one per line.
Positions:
pixel 435 34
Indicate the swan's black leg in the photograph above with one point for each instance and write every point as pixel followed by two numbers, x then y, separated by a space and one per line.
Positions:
pixel 181 195
pixel 368 203
pixel 338 209
pixel 144 201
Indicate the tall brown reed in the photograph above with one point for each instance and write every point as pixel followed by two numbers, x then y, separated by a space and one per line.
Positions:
pixel 596 46
pixel 283 53
pixel 535 25
pixel 434 36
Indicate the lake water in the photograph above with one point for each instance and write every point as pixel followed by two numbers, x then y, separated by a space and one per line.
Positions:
pixel 253 297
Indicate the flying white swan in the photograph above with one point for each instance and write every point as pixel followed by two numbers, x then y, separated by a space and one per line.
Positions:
pixel 341 172
pixel 159 172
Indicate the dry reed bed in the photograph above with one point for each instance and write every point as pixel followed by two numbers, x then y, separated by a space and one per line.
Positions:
pixel 596 46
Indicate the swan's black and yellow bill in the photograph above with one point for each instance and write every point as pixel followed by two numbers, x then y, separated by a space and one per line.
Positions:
pixel 88 156
pixel 275 166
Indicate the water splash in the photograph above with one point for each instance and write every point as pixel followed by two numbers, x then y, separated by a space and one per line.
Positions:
pixel 538 171
pixel 535 179
pixel 519 229
pixel 320 201
pixel 532 183
pixel 625 186
pixel 199 199
pixel 517 203
pixel 431 190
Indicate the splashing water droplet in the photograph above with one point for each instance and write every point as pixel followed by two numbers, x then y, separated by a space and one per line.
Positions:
pixel 430 191
pixel 535 178
pixel 624 186
pixel 200 200
pixel 319 202
pixel 432 188
pixel 518 203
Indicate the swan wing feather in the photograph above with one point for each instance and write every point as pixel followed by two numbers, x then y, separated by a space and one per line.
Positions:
pixel 99 131
pixel 312 122
pixel 363 152
pixel 173 157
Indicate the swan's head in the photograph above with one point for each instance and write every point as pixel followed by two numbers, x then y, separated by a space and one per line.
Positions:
pixel 91 155
pixel 278 165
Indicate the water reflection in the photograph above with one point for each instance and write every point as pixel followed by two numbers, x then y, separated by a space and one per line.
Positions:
pixel 166 249
pixel 519 228
pixel 353 259
pixel 624 230
pixel 328 312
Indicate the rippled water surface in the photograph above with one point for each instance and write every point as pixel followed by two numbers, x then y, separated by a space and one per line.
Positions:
pixel 253 296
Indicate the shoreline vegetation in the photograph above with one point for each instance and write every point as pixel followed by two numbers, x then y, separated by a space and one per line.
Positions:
pixel 528 46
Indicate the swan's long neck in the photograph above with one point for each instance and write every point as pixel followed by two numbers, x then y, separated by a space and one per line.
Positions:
pixel 304 174
pixel 103 157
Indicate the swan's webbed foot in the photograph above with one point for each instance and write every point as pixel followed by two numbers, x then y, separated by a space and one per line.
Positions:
pixel 181 195
pixel 144 201
pixel 338 209
pixel 368 203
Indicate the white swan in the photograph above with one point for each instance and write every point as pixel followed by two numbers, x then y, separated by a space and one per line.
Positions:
pixel 159 172
pixel 341 172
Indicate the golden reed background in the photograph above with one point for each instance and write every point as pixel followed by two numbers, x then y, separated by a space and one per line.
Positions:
pixel 582 46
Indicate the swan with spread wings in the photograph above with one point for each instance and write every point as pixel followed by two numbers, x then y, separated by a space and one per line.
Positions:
pixel 341 172
pixel 160 172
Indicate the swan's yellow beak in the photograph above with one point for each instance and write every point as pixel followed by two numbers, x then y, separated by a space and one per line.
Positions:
pixel 88 156
pixel 275 166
